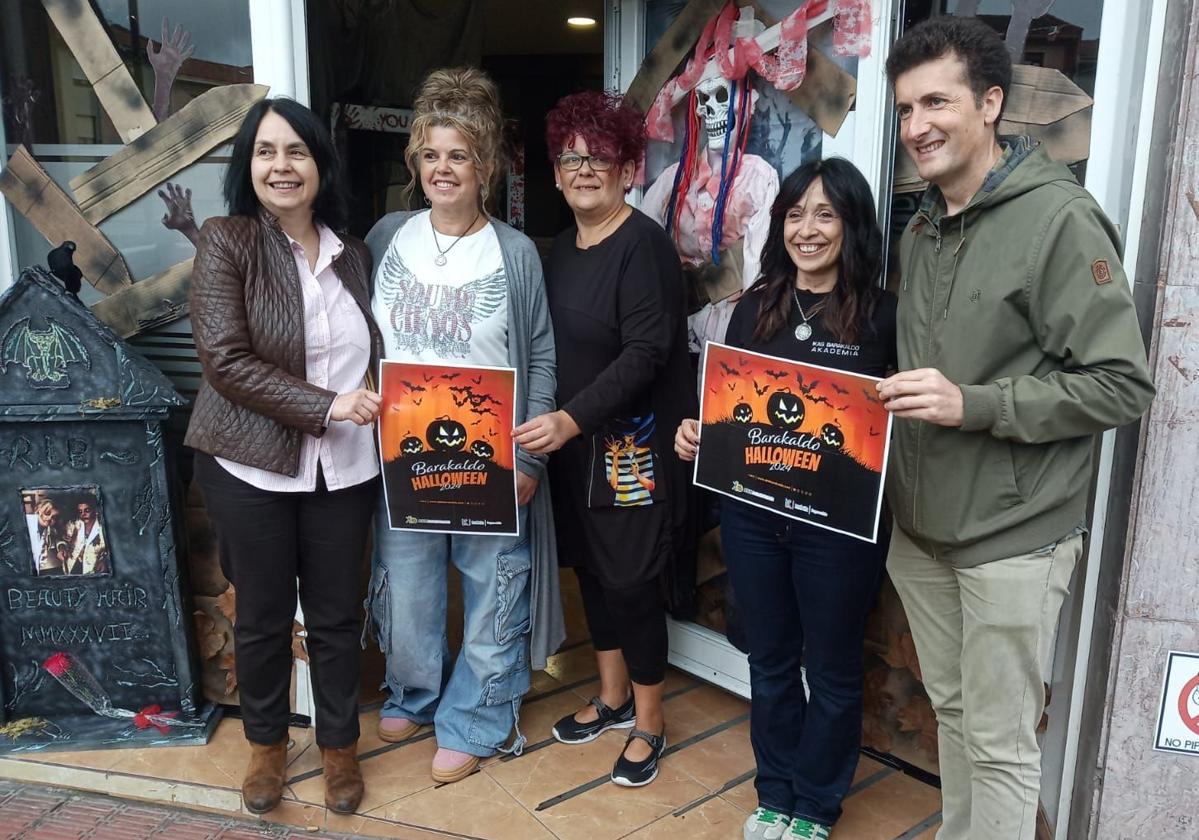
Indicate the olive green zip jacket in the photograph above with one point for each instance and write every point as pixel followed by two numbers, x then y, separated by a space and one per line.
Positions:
pixel 1019 299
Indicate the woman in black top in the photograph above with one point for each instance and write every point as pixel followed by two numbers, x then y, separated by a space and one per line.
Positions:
pixel 624 382
pixel 805 591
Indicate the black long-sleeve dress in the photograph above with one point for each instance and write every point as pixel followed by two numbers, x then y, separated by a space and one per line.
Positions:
pixel 620 494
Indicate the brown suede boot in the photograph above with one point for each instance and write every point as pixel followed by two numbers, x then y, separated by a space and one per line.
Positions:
pixel 262 787
pixel 343 778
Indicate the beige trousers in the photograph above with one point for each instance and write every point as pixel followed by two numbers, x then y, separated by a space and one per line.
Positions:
pixel 983 636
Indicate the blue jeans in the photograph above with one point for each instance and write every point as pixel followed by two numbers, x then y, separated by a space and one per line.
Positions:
pixel 804 593
pixel 473 702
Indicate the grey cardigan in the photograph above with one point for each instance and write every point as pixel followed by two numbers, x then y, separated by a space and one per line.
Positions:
pixel 531 352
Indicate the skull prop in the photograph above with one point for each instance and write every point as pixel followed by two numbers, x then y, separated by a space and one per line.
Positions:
pixel 712 106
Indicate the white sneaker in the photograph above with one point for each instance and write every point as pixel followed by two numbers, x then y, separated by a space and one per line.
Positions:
pixel 764 824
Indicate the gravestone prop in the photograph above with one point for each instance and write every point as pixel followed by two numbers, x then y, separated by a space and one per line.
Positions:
pixel 95 641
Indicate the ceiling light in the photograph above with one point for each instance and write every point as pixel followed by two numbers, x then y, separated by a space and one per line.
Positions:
pixel 580 22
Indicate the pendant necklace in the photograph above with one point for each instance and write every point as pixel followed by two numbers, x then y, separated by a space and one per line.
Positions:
pixel 440 259
pixel 804 331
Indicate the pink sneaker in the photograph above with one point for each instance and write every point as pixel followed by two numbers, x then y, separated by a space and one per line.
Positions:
pixel 394 729
pixel 453 766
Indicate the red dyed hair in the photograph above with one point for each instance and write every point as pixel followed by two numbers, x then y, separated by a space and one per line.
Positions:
pixel 611 126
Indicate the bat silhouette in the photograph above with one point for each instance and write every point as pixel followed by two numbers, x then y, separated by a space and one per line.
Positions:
pixel 412 387
pixel 805 389
pixel 760 390
pixel 839 389
pixel 428 377
pixel 483 411
pixel 450 375
pixel 742 361
pixel 843 408
pixel 730 371
pixel 478 380
pixel 775 374
pixel 732 386
pixel 817 399
pixel 477 422
pixel 870 397
pixel 461 401
pixel 873 433
pixel 417 400
pixel 479 399
pixel 713 390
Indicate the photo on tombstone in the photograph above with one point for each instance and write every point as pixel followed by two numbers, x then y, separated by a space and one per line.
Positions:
pixel 66 531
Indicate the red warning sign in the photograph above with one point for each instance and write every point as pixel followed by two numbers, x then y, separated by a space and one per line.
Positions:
pixel 1188 697
pixel 1177 728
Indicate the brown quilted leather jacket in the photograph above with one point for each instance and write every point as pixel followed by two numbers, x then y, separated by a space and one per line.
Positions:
pixel 248 321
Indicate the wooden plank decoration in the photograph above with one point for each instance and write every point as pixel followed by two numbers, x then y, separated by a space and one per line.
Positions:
pixel 89 43
pixel 149 303
pixel 46 205
pixel 827 92
pixel 674 46
pixel 209 120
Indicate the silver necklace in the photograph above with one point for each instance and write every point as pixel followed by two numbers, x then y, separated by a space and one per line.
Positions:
pixel 804 331
pixel 440 259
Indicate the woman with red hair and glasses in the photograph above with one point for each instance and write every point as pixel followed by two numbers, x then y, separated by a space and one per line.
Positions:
pixel 616 299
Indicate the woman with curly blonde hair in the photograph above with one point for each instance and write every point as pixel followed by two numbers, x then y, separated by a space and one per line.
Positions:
pixel 454 286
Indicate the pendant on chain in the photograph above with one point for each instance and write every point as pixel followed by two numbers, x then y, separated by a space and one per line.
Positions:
pixel 439 260
pixel 803 332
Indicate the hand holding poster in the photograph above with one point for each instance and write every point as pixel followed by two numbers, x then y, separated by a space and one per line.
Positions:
pixel 805 441
pixel 445 437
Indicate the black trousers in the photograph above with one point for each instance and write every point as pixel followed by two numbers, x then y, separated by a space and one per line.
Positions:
pixel 631 619
pixel 267 541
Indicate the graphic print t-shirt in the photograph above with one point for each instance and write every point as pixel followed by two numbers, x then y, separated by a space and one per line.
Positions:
pixel 454 313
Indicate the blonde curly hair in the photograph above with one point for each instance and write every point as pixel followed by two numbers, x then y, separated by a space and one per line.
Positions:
pixel 465 99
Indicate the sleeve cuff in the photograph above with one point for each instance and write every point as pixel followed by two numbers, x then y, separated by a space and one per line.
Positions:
pixel 981 406
pixel 586 425
pixel 530 465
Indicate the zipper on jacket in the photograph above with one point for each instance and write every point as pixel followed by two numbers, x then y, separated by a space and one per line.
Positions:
pixel 928 354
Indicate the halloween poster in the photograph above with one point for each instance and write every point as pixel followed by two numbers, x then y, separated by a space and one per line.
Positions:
pixel 445 437
pixel 805 441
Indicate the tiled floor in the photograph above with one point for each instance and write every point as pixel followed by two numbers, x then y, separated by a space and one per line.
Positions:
pixel 704 790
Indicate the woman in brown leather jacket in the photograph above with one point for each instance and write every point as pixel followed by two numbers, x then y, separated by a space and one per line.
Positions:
pixel 282 423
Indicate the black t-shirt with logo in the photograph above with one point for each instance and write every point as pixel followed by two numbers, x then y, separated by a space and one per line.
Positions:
pixel 871 353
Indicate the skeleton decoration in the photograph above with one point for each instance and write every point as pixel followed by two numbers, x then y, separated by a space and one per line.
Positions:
pixel 712 107
pixel 717 195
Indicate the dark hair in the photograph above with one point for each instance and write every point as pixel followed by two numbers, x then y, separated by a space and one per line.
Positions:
pixel 330 206
pixel 850 304
pixel 973 42
pixel 610 125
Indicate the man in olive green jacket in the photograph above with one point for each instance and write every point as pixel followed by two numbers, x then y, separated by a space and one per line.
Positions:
pixel 1018 343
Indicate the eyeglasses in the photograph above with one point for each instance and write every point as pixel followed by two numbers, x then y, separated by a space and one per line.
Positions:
pixel 571 161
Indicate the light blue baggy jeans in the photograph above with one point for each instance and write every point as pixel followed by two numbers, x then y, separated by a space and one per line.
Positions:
pixel 474 701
